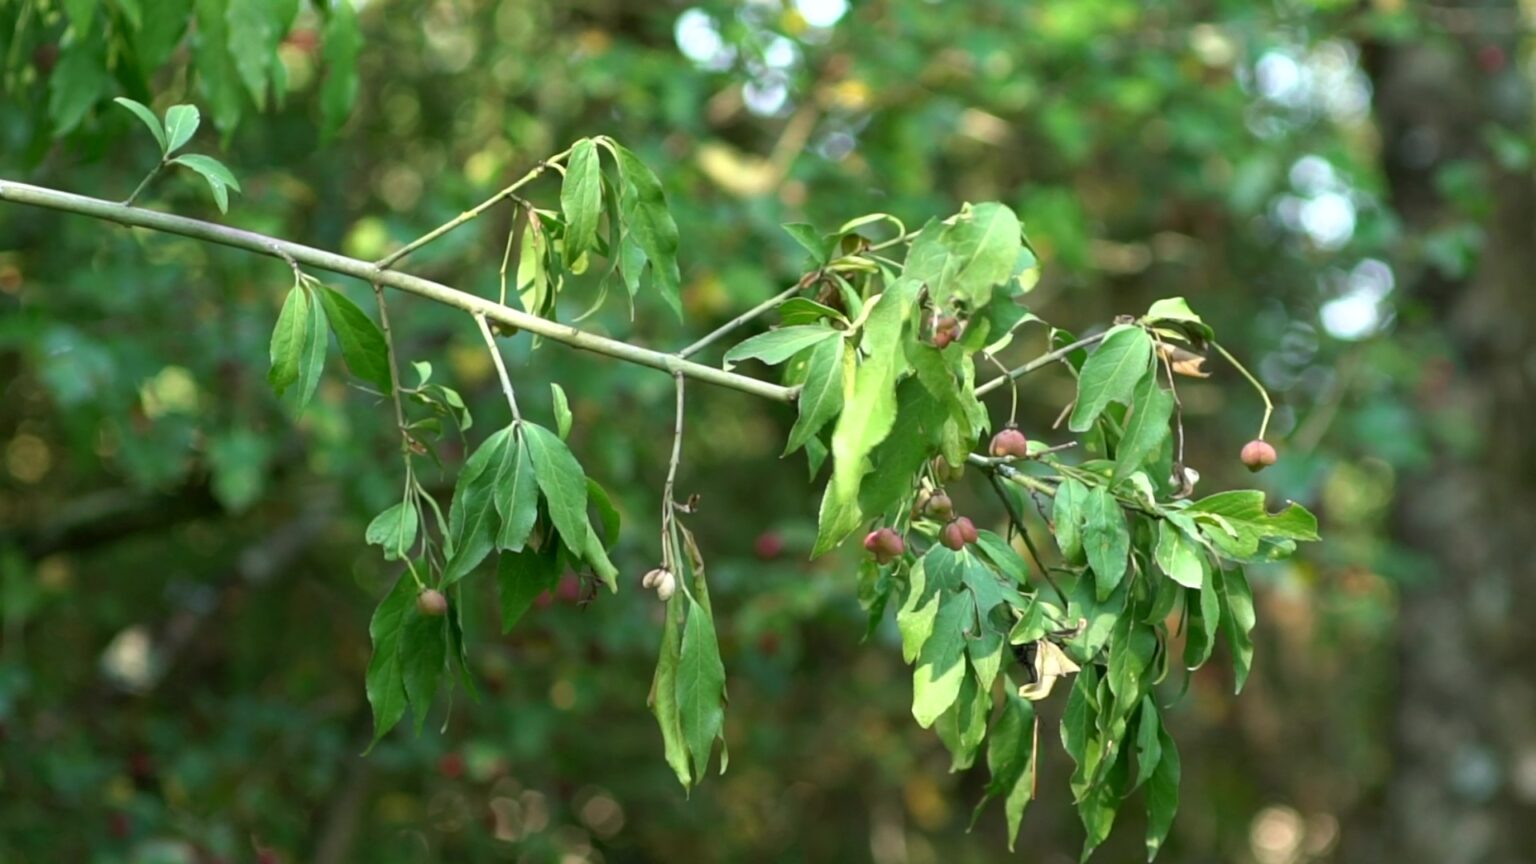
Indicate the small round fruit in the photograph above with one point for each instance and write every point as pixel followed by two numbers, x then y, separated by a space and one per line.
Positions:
pixel 946 330
pixel 885 544
pixel 939 507
pixel 952 535
pixel 666 585
pixel 431 602
pixel 1258 454
pixel 945 472
pixel 967 529
pixel 451 766
pixel 1009 443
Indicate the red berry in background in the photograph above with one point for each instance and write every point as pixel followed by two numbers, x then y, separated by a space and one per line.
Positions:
pixel 1258 455
pixel 768 643
pixel 432 603
pixel 119 825
pixel 1491 59
pixel 886 545
pixel 569 589
pixel 938 506
pixel 1009 443
pixel 768 546
pixel 544 599
pixel 451 766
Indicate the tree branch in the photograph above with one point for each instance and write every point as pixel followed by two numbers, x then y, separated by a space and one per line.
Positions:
pixel 1038 363
pixel 51 199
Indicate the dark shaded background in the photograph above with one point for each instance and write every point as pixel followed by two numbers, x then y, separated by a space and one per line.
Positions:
pixel 1345 190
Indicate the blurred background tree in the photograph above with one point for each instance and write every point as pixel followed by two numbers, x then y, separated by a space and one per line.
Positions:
pixel 1346 189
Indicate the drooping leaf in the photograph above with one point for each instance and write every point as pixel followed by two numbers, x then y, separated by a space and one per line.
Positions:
pixel 808 237
pixel 581 199
pixel 1011 762
pixel 941 664
pixel 218 178
pixel 821 396
pixel 964 725
pixel 561 481
pixel 1106 539
pixel 516 496
pixel 776 346
pixel 312 358
pixel 1162 794
pixel 394 530
pixel 424 658
pixel 472 517
pixel 914 620
pixel 1146 427
pixel 287 348
pixel 607 514
pixel 649 225
pixel 1068 512
pixel 700 686
pixel 1204 622
pixel 1237 620
pixel 562 410
pixel 385 682
pixel 148 117
pixel 522 576
pixel 78 81
pixel 343 42
pixel 868 414
pixel 362 342
pixel 1149 746
pixel 217 80
pixel 663 696
pixel 1111 373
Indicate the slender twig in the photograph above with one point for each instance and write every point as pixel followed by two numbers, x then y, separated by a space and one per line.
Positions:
pixel 1038 363
pixel 739 320
pixel 501 366
pixel 37 196
pixel 668 499
pixel 1018 525
pixel 1013 406
pixel 467 215
pixel 144 184
pixel 514 237
pixel 394 364
pixel 1269 407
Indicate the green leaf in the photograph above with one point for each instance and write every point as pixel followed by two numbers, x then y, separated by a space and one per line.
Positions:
pixel 1178 556
pixel 424 658
pixel 77 82
pixel 1162 794
pixel 940 665
pixel 821 396
pixel 472 518
pixel 964 725
pixel 287 348
pixel 1111 374
pixel 807 236
pixel 562 410
pixel 394 530
pixel 1011 762
pixel 218 177
pixel 700 686
pixel 143 113
pixel 802 310
pixel 607 514
pixel 1068 511
pixel 869 414
pixel 581 199
pixel 1106 539
pixel 516 496
pixel 1243 522
pixel 217 79
pixel 562 482
pixel 80 13
pixel 1146 427
pixel 385 681
pixel 965 259
pixel 592 551
pixel 1130 654
pixel 252 41
pixel 914 620
pixel 776 346
pixel 663 697
pixel 1204 610
pixel 643 207
pixel 312 355
pixel 1101 615
pixel 918 428
pixel 339 49
pixel 362 343
pixel 1237 621
pixel 1149 748
pixel 181 122
pixel 522 576
pixel 1176 310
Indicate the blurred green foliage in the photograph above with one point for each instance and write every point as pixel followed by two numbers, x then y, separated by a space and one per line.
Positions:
pixel 185 597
